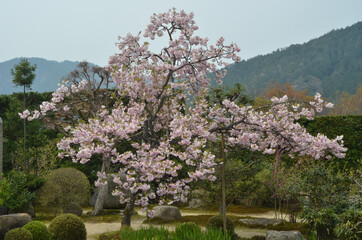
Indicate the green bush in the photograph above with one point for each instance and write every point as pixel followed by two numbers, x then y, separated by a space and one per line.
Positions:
pixel 349 227
pixel 69 227
pixel 18 234
pixel 217 222
pixel 14 192
pixel 38 230
pixel 64 186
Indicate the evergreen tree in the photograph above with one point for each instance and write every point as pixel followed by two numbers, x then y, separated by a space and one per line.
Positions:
pixel 23 75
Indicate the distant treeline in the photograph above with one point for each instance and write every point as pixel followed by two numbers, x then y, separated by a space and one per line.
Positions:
pixel 329 65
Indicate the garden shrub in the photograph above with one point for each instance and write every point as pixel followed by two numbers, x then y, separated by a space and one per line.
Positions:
pixel 38 230
pixel 217 222
pixel 18 234
pixel 349 226
pixel 14 192
pixel 69 227
pixel 64 186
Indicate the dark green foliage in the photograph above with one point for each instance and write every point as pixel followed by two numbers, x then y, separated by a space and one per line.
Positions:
pixel 351 129
pixel 235 94
pixel 329 64
pixel 37 135
pixel 350 225
pixel 14 192
pixel 247 175
pixel 64 186
pixel 18 234
pixel 326 199
pixel 38 230
pixel 23 73
pixel 67 226
pixel 217 222
pixel 321 222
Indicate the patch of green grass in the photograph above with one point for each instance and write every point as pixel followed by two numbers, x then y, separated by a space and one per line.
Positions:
pixel 200 220
pixel 182 232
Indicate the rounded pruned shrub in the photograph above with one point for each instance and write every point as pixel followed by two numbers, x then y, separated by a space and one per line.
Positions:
pixel 69 227
pixel 217 222
pixel 17 234
pixel 64 186
pixel 38 230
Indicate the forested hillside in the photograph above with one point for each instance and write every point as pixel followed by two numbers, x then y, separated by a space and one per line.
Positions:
pixel 329 64
pixel 48 74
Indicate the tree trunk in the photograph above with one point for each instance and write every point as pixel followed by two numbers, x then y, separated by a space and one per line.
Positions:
pixel 223 184
pixel 25 159
pixel 102 190
pixel 128 211
pixel 1 147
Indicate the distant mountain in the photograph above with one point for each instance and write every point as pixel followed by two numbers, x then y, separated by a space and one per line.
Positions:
pixel 48 74
pixel 329 64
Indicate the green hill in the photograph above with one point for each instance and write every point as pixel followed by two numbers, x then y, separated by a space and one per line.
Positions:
pixel 329 64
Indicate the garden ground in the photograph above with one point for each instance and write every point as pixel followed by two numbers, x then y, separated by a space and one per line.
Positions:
pixel 94 229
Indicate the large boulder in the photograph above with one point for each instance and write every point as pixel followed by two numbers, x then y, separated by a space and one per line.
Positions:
pixel 167 213
pixel 110 202
pixel 261 221
pixel 284 235
pixel 29 209
pixel 11 221
pixel 73 208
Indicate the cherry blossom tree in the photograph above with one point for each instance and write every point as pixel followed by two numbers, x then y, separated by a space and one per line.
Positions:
pixel 168 120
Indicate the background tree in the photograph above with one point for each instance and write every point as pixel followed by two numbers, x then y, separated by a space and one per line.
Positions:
pixel 1 147
pixel 23 75
pixel 81 95
pixel 348 104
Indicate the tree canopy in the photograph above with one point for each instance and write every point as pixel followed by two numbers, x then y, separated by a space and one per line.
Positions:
pixel 23 74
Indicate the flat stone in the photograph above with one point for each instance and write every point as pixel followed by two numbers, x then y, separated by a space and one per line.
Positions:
pixel 261 221
pixel 284 235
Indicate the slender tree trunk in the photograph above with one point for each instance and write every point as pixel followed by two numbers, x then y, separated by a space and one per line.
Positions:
pixel 223 185
pixel 1 147
pixel 128 211
pixel 25 158
pixel 102 190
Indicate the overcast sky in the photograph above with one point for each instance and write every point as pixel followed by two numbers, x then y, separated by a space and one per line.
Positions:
pixel 88 29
